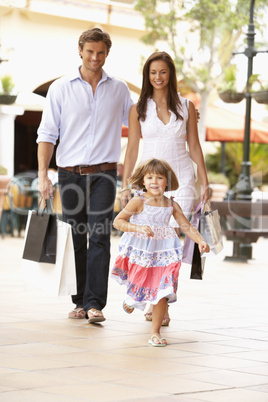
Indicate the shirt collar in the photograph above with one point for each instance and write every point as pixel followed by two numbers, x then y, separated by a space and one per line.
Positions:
pixel 76 75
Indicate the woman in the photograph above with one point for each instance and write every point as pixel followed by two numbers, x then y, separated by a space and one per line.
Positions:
pixel 161 116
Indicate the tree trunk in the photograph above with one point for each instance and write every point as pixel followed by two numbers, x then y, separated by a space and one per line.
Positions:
pixel 203 108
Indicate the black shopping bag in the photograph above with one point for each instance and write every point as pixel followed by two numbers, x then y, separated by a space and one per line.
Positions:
pixel 198 264
pixel 41 240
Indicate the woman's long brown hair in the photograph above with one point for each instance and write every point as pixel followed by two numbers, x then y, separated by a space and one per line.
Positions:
pixel 173 100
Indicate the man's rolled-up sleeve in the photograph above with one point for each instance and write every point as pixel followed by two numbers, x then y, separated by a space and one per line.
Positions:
pixel 48 130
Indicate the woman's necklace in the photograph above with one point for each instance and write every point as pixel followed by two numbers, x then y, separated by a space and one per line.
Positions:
pixel 158 108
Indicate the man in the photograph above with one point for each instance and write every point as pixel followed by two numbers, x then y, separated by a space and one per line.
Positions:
pixel 86 112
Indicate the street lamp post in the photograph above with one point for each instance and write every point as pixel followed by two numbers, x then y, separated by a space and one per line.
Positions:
pixel 244 186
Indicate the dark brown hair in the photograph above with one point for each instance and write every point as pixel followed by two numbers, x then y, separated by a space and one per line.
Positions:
pixel 157 166
pixel 173 100
pixel 95 35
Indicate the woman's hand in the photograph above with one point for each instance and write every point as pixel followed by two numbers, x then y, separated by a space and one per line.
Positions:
pixel 204 194
pixel 125 197
pixel 145 229
pixel 203 247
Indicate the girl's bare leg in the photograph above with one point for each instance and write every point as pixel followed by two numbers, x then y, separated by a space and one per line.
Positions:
pixel 159 311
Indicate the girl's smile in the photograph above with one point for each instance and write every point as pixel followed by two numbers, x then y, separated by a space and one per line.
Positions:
pixel 155 183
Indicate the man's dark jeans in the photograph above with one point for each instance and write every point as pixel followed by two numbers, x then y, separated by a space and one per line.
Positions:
pixel 87 204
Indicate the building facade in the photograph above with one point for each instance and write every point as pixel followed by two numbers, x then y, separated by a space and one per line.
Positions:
pixel 39 43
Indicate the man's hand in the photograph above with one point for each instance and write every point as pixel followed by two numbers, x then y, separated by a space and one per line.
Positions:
pixel 45 187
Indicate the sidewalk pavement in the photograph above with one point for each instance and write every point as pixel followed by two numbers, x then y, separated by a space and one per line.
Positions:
pixel 217 339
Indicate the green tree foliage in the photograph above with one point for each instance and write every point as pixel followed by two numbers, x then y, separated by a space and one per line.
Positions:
pixel 215 26
pixel 218 24
pixel 233 160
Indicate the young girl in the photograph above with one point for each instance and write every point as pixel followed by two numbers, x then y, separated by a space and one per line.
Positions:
pixel 150 253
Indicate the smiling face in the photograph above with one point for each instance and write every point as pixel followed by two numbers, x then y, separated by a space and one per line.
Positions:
pixel 155 183
pixel 159 73
pixel 93 56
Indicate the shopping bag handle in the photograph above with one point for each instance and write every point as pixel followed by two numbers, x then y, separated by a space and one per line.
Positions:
pixel 203 207
pixel 199 207
pixel 207 207
pixel 46 207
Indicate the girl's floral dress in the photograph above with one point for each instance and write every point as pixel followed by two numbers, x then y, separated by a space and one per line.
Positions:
pixel 149 266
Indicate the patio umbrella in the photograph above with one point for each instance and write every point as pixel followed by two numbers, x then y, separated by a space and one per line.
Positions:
pixel 223 125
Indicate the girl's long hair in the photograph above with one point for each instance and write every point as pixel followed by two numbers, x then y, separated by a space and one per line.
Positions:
pixel 173 100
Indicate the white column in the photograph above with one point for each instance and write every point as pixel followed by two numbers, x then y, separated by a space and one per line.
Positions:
pixel 8 114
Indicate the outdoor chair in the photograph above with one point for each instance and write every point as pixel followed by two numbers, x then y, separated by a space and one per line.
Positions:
pixel 21 198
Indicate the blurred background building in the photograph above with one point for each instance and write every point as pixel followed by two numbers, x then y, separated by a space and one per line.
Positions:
pixel 39 43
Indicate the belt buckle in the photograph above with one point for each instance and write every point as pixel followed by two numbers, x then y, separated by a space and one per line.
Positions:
pixel 80 170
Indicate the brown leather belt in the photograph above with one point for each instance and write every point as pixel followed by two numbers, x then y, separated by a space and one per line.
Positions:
pixel 87 169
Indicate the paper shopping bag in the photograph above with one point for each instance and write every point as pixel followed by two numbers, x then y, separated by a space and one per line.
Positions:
pixel 198 264
pixel 41 239
pixel 210 228
pixel 59 278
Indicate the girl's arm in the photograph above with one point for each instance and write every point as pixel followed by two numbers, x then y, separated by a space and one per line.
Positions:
pixel 134 135
pixel 188 229
pixel 196 151
pixel 135 206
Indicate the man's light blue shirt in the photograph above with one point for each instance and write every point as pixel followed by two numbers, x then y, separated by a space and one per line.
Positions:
pixel 88 126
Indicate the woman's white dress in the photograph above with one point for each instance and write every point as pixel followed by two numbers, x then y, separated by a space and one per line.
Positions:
pixel 168 142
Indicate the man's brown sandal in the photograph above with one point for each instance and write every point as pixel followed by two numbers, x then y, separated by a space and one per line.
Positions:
pixel 78 312
pixel 96 316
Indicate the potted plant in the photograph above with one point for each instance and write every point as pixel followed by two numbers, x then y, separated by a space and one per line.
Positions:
pixel 4 180
pixel 227 91
pixel 258 90
pixel 219 185
pixel 7 97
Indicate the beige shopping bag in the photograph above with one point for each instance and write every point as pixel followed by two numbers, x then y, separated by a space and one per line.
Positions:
pixel 59 279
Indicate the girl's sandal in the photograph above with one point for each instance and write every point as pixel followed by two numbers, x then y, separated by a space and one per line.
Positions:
pixel 165 322
pixel 148 316
pixel 127 308
pixel 160 344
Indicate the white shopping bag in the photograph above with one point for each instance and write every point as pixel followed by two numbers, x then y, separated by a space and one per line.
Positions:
pixel 211 231
pixel 59 279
